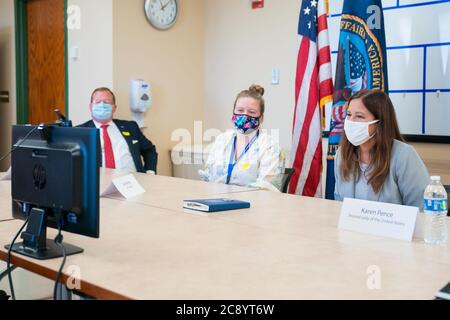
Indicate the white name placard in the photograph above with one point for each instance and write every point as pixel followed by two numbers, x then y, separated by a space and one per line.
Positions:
pixel 378 218
pixel 127 186
pixel 6 176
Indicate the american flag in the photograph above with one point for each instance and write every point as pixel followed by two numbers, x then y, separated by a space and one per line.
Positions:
pixel 358 74
pixel 313 93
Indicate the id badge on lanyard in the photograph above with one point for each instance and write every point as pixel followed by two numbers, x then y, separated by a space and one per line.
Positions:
pixel 232 164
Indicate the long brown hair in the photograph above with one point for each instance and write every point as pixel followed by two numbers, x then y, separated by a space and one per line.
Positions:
pixel 380 105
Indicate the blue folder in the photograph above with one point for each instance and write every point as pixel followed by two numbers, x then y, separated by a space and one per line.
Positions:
pixel 214 205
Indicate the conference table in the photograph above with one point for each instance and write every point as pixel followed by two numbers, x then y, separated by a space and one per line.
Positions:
pixel 283 247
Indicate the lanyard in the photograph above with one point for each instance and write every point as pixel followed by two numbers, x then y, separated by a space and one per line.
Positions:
pixel 232 164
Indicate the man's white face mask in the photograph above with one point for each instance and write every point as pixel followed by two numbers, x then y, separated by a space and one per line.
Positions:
pixel 358 132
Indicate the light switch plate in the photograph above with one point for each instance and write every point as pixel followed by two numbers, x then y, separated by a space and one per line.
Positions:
pixel 275 76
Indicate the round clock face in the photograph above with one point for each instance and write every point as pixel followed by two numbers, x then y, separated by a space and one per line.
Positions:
pixel 162 14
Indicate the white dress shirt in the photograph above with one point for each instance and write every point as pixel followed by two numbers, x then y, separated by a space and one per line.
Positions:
pixel 122 155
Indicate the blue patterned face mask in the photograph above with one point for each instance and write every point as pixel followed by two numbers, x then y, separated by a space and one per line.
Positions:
pixel 245 124
pixel 102 111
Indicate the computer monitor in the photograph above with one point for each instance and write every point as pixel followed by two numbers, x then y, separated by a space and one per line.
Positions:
pixel 55 183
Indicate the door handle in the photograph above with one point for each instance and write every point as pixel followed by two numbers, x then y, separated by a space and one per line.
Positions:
pixel 4 96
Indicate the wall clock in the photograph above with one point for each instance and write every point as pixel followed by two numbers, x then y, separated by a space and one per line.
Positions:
pixel 162 14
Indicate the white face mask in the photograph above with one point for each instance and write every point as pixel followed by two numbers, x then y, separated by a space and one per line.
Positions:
pixel 358 132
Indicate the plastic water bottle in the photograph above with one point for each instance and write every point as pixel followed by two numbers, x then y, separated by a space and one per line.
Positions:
pixel 435 204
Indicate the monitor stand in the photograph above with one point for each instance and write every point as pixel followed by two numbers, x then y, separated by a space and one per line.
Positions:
pixel 35 243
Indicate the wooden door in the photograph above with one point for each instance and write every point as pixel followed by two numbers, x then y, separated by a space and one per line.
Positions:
pixel 46 59
pixel 6 84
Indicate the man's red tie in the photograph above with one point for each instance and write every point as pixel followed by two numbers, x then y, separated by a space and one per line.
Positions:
pixel 109 155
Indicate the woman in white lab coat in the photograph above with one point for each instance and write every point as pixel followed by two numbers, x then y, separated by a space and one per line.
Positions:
pixel 246 156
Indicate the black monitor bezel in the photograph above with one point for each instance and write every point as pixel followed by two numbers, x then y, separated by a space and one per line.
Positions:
pixel 88 222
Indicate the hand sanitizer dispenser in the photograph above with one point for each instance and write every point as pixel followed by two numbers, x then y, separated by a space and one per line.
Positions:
pixel 140 100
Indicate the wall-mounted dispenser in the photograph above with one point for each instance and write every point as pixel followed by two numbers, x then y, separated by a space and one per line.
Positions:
pixel 140 100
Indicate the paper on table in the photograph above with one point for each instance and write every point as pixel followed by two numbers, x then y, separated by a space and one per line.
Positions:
pixel 127 186
pixel 419 230
pixel 6 176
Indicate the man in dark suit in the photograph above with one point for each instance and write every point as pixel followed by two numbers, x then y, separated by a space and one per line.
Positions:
pixel 123 144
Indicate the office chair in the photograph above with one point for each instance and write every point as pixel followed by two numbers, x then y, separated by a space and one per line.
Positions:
pixel 288 172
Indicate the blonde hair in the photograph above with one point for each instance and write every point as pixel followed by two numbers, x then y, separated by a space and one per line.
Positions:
pixel 256 92
pixel 103 89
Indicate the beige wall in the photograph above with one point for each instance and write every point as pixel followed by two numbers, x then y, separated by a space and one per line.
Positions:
pixel 196 69
pixel 7 76
pixel 436 158
pixel 94 66
pixel 171 61
pixel 242 47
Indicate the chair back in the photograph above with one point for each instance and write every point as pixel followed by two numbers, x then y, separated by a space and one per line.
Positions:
pixel 288 172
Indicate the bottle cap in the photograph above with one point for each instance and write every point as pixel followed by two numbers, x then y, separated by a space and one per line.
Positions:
pixel 435 178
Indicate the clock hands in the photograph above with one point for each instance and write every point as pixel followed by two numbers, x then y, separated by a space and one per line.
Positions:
pixel 158 16
pixel 164 6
